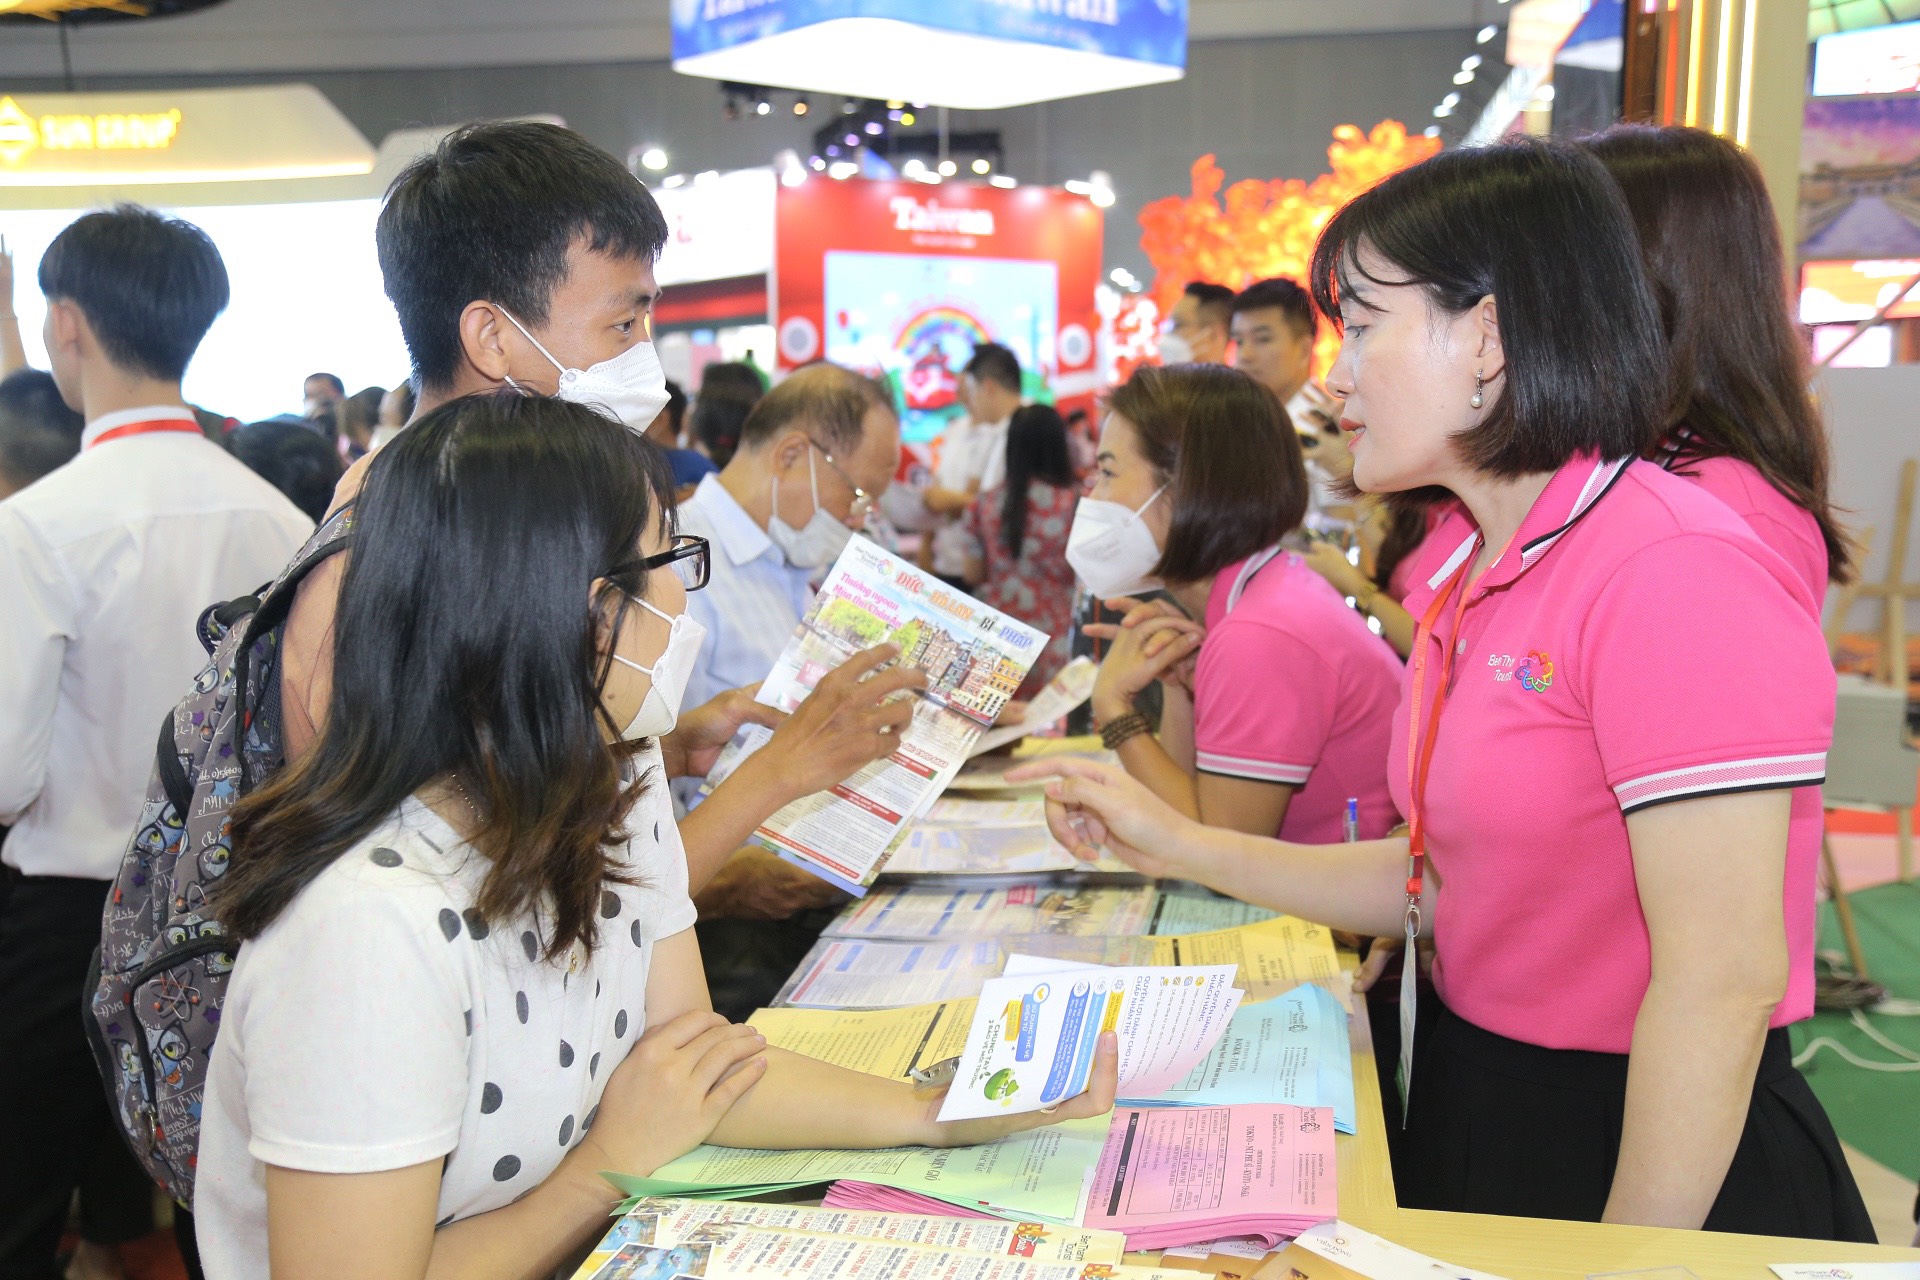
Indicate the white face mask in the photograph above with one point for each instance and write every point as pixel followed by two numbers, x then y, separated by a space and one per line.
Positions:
pixel 660 710
pixel 818 542
pixel 1174 349
pixel 1112 549
pixel 631 387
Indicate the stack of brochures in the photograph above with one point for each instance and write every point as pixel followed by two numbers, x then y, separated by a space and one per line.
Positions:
pixel 661 1225
pixel 1190 1174
pixel 946 955
pixel 974 657
pixel 964 836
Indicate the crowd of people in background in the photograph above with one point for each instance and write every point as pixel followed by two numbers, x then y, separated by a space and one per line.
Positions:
pixel 1252 554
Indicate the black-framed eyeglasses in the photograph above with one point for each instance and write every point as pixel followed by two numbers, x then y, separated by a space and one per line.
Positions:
pixel 688 557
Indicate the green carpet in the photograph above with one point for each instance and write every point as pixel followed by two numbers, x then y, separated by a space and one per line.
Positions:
pixel 1875 1111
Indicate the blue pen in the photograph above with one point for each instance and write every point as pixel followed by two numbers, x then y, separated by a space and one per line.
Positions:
pixel 1353 819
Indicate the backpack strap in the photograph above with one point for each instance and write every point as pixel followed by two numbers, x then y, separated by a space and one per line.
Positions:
pixel 276 601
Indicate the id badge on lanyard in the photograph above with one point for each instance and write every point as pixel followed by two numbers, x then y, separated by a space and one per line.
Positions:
pixel 1423 725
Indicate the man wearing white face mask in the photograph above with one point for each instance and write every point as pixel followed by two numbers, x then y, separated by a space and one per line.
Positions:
pixel 814 454
pixel 519 256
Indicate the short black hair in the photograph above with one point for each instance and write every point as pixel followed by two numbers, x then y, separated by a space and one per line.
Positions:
pixel 676 404
pixel 1541 229
pixel 293 458
pixel 992 362
pixel 831 401
pixel 38 432
pixel 331 379
pixel 1215 301
pixel 149 285
pixel 489 215
pixel 1283 295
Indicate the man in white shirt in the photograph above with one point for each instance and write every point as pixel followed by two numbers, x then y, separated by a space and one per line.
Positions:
pixel 105 567
pixel 1274 327
pixel 973 451
pixel 814 455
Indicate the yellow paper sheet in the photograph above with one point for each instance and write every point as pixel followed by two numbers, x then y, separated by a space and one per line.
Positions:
pixel 1274 956
pixel 880 1042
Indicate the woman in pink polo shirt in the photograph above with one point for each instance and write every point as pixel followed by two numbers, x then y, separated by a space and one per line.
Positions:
pixel 1613 694
pixel 1285 715
pixel 1742 423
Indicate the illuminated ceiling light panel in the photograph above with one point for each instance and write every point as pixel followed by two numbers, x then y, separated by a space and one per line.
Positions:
pixel 179 135
pixel 973 54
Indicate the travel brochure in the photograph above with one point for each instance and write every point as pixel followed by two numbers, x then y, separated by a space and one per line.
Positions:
pixel 1034 1032
pixel 1191 1174
pixel 1071 686
pixel 927 911
pixel 1271 957
pixel 974 658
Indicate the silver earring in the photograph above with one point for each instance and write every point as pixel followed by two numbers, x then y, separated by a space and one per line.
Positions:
pixel 1479 380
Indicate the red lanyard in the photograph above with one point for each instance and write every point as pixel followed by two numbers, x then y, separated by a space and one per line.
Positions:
pixel 1419 744
pixel 148 427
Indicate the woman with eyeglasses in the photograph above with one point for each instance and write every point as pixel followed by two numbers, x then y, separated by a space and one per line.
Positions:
pixel 469 982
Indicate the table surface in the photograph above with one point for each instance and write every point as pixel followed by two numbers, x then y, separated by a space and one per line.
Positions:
pixel 1527 1248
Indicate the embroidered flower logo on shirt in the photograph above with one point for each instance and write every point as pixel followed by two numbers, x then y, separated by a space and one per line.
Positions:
pixel 1535 672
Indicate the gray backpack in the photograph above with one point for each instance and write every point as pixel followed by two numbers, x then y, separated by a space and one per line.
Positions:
pixel 160 974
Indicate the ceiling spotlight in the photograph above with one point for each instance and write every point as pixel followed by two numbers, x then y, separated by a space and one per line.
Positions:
pixel 848 107
pixel 674 180
pixel 833 150
pixel 1431 131
pixel 852 139
pixel 875 128
pixel 763 108
pixel 1463 77
pixel 1004 181
pixel 1100 184
pixel 841 170
pixel 907 118
pixel 1120 276
pixel 1443 111
pixel 705 176
pixel 801 107
pixel 895 104
pixel 948 168
pixel 1486 33
pixel 981 167
pixel 1470 63
pixel 1451 101
pixel 816 164
pixel 1079 186
pixel 1102 197
pixel 653 158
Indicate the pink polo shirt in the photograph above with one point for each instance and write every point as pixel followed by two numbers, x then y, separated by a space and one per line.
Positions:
pixel 1636 645
pixel 1787 528
pixel 1292 687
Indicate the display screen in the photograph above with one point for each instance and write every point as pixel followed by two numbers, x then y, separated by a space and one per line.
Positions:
pixel 1872 60
pixel 916 319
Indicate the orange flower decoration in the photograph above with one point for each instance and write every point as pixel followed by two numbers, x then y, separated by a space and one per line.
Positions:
pixel 1258 229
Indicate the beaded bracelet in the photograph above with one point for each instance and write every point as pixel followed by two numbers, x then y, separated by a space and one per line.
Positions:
pixel 1121 728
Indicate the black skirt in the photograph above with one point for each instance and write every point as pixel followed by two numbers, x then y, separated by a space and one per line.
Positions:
pixel 1501 1126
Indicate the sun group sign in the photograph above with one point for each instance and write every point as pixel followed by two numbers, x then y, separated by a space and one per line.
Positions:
pixel 977 54
pixel 188 135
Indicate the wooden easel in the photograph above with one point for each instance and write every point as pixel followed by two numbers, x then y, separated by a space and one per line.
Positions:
pixel 1893 591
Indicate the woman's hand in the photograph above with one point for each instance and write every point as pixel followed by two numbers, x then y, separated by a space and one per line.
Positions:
pixel 1091 804
pixel 677 1083
pixel 1331 563
pixel 1097 1100
pixel 1148 643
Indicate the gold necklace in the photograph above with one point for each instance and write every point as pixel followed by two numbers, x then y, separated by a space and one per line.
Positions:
pixel 465 799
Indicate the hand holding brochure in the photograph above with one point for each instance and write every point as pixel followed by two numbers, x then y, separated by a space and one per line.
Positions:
pixel 1032 1041
pixel 974 657
pixel 1069 688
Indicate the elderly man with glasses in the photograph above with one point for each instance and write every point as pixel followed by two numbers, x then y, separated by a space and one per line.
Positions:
pixel 814 455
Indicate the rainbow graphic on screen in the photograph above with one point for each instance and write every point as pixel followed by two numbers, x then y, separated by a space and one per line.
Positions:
pixel 934 345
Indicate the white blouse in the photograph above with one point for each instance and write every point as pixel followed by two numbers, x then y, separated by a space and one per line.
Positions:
pixel 380 1023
